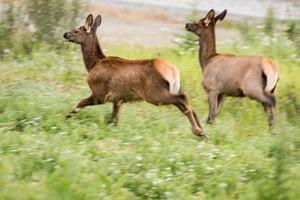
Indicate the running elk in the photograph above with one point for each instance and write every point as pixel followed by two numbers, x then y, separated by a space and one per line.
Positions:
pixel 118 80
pixel 229 75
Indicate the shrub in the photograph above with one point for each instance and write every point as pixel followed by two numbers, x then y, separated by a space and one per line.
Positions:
pixel 187 41
pixel 270 22
pixel 293 32
pixel 22 27
pixel 50 17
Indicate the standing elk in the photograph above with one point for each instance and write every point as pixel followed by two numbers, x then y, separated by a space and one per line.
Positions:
pixel 228 75
pixel 118 80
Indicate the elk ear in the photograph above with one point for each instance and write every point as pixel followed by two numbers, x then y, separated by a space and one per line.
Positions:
pixel 221 16
pixel 97 22
pixel 88 23
pixel 209 17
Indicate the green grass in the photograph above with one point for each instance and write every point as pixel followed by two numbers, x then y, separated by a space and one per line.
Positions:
pixel 153 153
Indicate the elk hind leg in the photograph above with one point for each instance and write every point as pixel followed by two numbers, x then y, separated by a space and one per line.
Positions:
pixel 197 118
pixel 182 104
pixel 269 102
pixel 271 111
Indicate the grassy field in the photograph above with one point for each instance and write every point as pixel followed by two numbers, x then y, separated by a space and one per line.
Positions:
pixel 153 153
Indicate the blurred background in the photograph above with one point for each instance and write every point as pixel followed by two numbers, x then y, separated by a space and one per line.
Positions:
pixel 152 154
pixel 147 23
pixel 157 22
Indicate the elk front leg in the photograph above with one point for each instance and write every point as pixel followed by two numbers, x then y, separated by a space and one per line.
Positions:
pixel 83 103
pixel 221 99
pixel 115 114
pixel 213 106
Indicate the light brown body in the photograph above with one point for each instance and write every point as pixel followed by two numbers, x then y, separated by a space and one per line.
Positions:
pixel 239 75
pixel 229 75
pixel 115 80
pixel 118 80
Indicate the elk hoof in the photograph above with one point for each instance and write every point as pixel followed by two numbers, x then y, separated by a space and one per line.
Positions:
pixel 209 121
pixel 199 132
pixel 113 122
pixel 69 115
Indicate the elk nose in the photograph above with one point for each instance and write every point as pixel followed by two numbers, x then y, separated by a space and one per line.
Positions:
pixel 189 27
pixel 65 35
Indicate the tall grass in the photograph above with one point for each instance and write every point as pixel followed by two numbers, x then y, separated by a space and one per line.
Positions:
pixel 153 153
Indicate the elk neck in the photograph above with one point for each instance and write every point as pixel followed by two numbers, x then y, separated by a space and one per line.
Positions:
pixel 207 50
pixel 91 52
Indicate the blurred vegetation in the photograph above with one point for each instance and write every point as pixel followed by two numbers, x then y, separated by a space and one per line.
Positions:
pixel 25 24
pixel 52 16
pixel 293 33
pixel 153 153
pixel 187 42
pixel 270 22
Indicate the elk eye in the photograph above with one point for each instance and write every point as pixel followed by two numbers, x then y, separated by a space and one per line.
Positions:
pixel 76 32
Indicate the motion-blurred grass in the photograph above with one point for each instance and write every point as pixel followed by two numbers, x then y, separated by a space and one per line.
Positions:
pixel 153 153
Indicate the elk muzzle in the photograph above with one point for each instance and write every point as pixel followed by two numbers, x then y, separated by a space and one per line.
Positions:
pixel 68 36
pixel 190 27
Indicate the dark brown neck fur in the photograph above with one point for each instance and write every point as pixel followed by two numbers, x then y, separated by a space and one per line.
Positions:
pixel 91 52
pixel 207 49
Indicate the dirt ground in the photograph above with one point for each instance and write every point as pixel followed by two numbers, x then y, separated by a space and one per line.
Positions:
pixel 157 23
pixel 144 25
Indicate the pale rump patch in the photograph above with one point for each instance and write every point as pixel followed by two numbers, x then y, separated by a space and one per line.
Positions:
pixel 170 73
pixel 270 69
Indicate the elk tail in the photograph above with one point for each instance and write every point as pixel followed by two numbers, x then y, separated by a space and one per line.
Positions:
pixel 175 83
pixel 170 73
pixel 271 71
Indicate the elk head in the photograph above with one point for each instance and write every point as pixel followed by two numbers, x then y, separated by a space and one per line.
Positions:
pixel 206 24
pixel 84 33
